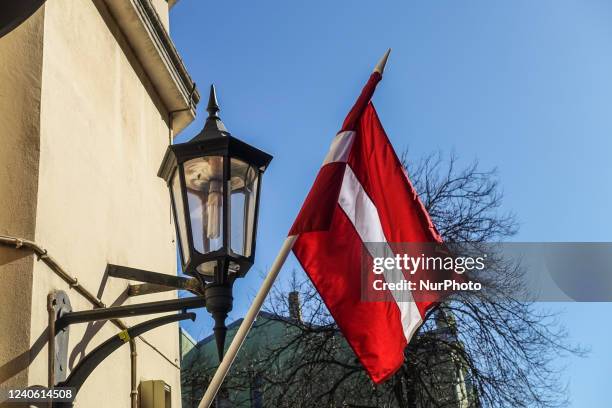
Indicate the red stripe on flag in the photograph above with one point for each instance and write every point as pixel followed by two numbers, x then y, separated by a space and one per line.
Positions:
pixel 318 208
pixel 366 94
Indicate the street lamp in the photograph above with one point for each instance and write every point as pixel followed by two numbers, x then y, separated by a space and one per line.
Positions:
pixel 214 181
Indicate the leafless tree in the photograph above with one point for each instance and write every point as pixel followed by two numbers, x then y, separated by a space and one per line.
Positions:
pixel 489 349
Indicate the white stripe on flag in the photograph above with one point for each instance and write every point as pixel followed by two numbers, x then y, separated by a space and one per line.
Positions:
pixel 360 209
pixel 340 148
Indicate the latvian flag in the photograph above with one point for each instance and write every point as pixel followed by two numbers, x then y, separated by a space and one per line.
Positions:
pixel 362 194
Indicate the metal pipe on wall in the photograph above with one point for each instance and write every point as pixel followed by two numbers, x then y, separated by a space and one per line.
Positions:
pixel 51 344
pixel 133 366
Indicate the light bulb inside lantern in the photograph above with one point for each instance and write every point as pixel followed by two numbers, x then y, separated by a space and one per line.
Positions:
pixel 213 207
pixel 204 179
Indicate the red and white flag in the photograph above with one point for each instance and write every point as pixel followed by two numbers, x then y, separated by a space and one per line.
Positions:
pixel 362 194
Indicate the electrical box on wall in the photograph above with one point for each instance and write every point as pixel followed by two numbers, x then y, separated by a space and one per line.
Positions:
pixel 155 394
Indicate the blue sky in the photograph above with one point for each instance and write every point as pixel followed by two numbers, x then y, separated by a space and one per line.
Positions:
pixel 524 86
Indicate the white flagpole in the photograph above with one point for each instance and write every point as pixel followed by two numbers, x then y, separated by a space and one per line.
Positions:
pixel 246 324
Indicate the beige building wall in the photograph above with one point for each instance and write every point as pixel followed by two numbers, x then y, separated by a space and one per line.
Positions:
pixel 20 89
pixel 79 164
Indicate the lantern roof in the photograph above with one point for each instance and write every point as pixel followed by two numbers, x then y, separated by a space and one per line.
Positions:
pixel 213 127
pixel 214 139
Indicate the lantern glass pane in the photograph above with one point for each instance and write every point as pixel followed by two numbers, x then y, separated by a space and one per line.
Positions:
pixel 243 185
pixel 179 211
pixel 204 181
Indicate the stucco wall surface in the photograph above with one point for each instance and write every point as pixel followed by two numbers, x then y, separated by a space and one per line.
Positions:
pixel 20 88
pixel 102 136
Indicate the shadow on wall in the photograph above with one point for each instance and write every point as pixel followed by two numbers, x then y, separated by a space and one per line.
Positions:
pixel 8 256
pixel 12 267
pixel 24 359
pixel 78 352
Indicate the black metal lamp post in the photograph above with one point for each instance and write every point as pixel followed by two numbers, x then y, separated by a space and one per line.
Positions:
pixel 214 181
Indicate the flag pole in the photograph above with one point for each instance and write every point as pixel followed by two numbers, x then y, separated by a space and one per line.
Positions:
pixel 249 318
pixel 246 324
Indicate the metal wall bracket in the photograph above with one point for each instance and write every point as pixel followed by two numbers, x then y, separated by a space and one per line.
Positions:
pixel 60 304
pixel 90 362
pixel 116 312
pixel 153 281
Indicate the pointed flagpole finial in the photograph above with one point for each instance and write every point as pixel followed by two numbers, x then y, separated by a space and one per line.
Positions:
pixel 380 67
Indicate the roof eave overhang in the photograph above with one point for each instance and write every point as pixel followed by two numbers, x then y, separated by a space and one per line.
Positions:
pixel 157 54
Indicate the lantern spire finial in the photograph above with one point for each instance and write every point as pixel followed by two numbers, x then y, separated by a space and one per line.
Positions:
pixel 213 127
pixel 213 105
